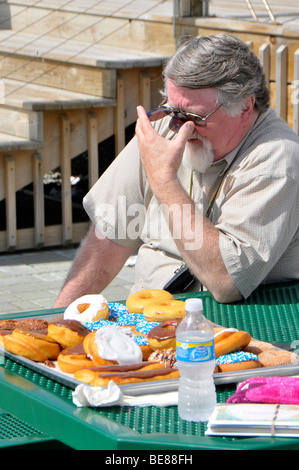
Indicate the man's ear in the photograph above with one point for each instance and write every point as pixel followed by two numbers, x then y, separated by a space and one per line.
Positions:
pixel 248 108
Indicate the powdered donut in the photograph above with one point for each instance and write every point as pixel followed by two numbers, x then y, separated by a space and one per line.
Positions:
pixel 277 357
pixel 239 360
pixel 91 307
pixel 257 347
pixel 137 301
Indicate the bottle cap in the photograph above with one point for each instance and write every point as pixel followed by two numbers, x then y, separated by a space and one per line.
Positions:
pixel 193 305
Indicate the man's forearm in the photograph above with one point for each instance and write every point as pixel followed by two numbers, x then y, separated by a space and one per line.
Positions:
pixel 97 262
pixel 198 242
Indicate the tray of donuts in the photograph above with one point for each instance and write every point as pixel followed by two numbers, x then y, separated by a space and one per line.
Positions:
pixel 131 343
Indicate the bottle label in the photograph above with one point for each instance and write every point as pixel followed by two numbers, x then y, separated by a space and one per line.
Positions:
pixel 195 352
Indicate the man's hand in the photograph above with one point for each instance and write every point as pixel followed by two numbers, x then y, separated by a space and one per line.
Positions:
pixel 160 157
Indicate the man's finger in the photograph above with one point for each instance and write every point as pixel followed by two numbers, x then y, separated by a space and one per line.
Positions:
pixel 185 133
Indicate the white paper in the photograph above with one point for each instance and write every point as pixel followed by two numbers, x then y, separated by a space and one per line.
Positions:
pixel 88 395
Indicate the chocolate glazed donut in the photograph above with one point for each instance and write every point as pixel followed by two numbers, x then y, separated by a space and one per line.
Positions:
pixel 68 333
pixel 163 336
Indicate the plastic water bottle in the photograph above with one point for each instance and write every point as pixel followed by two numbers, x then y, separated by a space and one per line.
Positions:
pixel 196 362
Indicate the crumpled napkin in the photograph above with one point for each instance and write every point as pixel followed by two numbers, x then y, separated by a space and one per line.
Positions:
pixel 280 390
pixel 87 395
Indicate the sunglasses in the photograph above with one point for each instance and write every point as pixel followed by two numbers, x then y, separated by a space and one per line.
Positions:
pixel 178 117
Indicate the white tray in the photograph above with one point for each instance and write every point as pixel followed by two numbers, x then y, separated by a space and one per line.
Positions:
pixel 157 386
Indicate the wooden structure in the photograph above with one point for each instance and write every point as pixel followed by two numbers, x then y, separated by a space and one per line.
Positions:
pixel 72 74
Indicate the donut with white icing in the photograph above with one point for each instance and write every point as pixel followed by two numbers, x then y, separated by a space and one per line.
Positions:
pixel 108 346
pixel 91 307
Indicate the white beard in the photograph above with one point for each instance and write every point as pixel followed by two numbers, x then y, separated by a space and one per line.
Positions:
pixel 198 156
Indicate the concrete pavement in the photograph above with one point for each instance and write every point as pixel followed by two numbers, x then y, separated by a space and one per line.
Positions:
pixel 32 280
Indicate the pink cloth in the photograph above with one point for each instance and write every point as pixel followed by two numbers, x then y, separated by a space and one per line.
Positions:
pixel 279 390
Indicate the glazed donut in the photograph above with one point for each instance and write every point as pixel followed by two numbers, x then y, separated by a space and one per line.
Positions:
pixel 32 345
pixel 166 357
pixel 29 324
pixel 121 378
pixel 67 333
pixel 89 374
pixel 163 335
pixel 239 360
pixel 137 301
pixel 87 308
pixel 112 346
pixel 222 333
pixel 164 310
pixel 234 342
pixel 277 357
pixel 72 359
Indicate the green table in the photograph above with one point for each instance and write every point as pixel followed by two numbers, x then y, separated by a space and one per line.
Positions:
pixel 270 314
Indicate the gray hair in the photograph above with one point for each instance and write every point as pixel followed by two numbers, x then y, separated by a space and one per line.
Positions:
pixel 222 62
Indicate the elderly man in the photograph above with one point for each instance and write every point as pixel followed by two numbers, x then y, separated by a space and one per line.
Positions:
pixel 210 181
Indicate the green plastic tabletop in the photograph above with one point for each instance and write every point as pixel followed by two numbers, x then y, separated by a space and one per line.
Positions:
pixel 271 314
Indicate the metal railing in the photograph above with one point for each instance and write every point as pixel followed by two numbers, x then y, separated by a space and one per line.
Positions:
pixel 267 8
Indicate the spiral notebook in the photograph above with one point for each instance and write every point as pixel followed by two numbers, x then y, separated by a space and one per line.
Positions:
pixel 250 419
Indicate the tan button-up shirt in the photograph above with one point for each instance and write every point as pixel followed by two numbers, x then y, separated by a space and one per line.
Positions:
pixel 256 209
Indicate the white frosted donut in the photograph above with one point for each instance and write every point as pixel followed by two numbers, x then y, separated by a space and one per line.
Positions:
pixel 92 307
pixel 165 310
pixel 137 301
pixel 107 346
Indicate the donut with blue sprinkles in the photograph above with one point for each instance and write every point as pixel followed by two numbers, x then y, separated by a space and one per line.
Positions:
pixel 95 325
pixel 239 360
pixel 141 340
pixel 143 327
pixel 116 310
pixel 129 319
